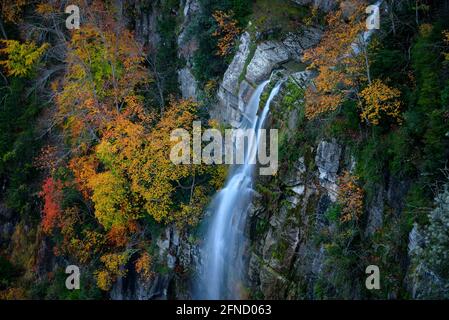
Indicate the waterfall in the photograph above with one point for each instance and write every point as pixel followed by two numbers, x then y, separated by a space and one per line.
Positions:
pixel 225 243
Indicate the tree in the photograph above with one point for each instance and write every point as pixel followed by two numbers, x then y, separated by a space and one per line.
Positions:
pixel 143 266
pixel 113 267
pixel 52 195
pixel 227 31
pixel 21 57
pixel 378 100
pixel 114 205
pixel 350 198
pixel 12 10
pixel 340 65
pixel 104 68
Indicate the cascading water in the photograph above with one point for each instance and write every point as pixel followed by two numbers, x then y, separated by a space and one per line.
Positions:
pixel 225 243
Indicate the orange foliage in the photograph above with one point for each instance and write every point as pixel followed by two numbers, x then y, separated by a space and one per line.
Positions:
pixel 11 10
pixel 227 31
pixel 104 66
pixel 143 266
pixel 83 168
pixel 119 235
pixel 52 195
pixel 338 66
pixel 378 100
pixel 350 197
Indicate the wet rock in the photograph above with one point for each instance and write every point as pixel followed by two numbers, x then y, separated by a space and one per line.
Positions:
pixel 133 287
pixel 267 56
pixel 245 92
pixel 231 77
pixel 188 84
pixel 415 240
pixel 296 177
pixel 327 160
pixel 318 261
pixel 171 261
pixel 187 45
pixel 272 284
pixel 396 192
pixel 164 243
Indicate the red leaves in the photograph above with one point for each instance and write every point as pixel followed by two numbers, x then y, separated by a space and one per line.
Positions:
pixel 52 195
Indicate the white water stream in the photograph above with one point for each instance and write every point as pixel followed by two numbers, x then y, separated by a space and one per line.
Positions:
pixel 225 243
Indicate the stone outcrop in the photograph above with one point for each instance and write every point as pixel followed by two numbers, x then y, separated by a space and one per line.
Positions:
pixel 187 84
pixel 253 64
pixel 186 48
pixel 328 161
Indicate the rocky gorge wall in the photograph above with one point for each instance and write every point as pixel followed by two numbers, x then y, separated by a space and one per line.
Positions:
pixel 297 247
pixel 285 259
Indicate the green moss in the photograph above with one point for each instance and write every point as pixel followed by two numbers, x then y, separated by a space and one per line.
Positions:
pixel 274 17
pixel 262 226
pixel 280 251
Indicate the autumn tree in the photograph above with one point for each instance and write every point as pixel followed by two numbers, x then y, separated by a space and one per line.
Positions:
pixel 52 195
pixel 143 266
pixel 11 10
pixel 20 58
pixel 140 176
pixel 113 267
pixel 226 32
pixel 350 197
pixel 340 59
pixel 378 100
pixel 104 67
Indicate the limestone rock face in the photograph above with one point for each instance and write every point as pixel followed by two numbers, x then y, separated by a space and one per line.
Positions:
pixel 268 55
pixel 250 67
pixel 375 212
pixel 186 48
pixel 327 160
pixel 227 109
pixel 187 83
pixel 231 77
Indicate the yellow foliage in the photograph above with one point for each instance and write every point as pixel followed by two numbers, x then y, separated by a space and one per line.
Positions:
pixel 227 31
pixel 350 197
pixel 13 294
pixel 104 280
pixel 84 250
pixel 425 29
pixel 378 99
pixel 45 9
pixel 114 264
pixel 21 57
pixel 337 65
pixel 113 204
pixel 143 266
